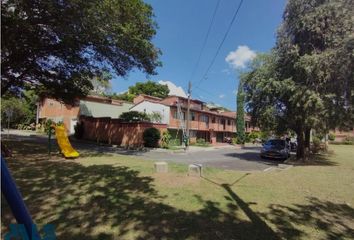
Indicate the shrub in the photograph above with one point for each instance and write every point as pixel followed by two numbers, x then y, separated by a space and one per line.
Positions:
pixel 201 141
pixel 134 116
pixel 348 140
pixel 316 145
pixel 48 126
pixel 253 136
pixel 151 137
pixel 331 137
pixel 165 139
pixel 79 130
pixel 155 117
pixel 175 142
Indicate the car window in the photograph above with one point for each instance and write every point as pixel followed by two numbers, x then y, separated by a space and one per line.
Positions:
pixel 276 143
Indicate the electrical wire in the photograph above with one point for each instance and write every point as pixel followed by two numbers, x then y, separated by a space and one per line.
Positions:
pixel 221 43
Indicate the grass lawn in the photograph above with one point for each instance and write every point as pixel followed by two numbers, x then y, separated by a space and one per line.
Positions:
pixel 118 197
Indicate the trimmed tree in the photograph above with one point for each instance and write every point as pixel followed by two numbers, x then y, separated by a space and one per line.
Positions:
pixel 306 82
pixel 240 115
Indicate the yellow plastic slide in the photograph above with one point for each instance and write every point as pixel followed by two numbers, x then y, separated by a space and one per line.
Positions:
pixel 66 149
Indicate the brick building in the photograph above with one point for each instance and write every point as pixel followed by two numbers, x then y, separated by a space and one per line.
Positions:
pixel 210 124
pixel 91 106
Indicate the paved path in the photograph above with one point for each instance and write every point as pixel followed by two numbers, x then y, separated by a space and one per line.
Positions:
pixel 246 159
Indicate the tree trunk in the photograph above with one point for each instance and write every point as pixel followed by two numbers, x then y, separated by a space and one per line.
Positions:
pixel 307 143
pixel 300 151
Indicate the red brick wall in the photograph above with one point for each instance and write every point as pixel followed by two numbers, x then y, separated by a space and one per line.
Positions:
pixel 113 131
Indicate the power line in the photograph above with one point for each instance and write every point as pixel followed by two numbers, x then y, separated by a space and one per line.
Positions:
pixel 221 43
pixel 207 92
pixel 205 40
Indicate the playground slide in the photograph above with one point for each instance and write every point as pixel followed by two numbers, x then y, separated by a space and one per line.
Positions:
pixel 66 149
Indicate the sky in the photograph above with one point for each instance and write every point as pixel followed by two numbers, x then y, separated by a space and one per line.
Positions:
pixel 182 28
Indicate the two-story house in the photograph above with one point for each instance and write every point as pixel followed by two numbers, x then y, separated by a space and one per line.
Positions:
pixel 212 125
pixel 92 106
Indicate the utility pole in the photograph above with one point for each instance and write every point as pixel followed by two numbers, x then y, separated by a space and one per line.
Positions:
pixel 188 111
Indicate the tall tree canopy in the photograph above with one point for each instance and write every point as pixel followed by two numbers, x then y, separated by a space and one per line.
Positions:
pixel 240 117
pixel 148 88
pixel 307 81
pixel 56 47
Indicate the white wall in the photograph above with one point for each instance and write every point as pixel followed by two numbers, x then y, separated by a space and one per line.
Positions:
pixel 149 107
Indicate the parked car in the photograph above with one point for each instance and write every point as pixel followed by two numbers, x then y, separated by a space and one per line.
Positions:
pixel 293 146
pixel 275 148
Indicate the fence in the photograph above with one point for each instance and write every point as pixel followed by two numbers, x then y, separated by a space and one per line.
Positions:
pixel 114 131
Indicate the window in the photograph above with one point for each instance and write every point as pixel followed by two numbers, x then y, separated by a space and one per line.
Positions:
pixel 175 114
pixel 204 118
pixel 192 116
pixel 228 122
pixel 213 119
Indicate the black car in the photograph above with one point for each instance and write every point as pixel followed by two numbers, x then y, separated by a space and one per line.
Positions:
pixel 275 148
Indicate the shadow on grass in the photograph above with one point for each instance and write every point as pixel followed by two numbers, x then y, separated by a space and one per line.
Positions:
pixel 116 202
pixel 334 220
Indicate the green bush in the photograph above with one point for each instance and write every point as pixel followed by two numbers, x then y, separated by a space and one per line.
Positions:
pixel 79 130
pixel 47 126
pixel 165 139
pixel 201 142
pixel 253 136
pixel 331 137
pixel 175 142
pixel 316 145
pixel 151 137
pixel 348 140
pixel 134 116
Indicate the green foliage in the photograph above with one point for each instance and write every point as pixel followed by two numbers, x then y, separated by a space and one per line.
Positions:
pixel 331 137
pixel 306 81
pixel 165 139
pixel 240 117
pixel 149 88
pixel 48 126
pixel 134 116
pixel 79 130
pixel 155 117
pixel 123 96
pixel 151 137
pixel 254 135
pixel 22 109
pixel 101 84
pixel 348 140
pixel 316 144
pixel 239 139
pixel 56 47
pixel 201 143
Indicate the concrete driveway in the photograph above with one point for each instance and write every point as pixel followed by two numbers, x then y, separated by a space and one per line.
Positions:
pixel 246 159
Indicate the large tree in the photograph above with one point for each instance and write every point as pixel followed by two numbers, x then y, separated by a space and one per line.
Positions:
pixel 56 47
pixel 240 114
pixel 148 88
pixel 307 81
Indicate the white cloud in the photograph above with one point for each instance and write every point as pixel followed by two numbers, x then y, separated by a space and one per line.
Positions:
pixel 221 96
pixel 239 57
pixel 174 90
